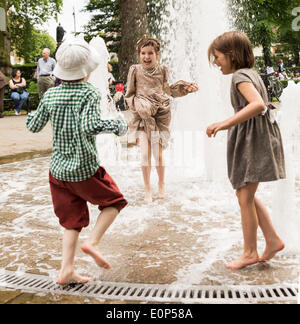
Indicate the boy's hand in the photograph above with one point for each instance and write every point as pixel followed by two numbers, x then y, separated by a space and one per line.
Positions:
pixel 123 128
pixel 215 128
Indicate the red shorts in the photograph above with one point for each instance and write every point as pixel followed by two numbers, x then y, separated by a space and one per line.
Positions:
pixel 70 198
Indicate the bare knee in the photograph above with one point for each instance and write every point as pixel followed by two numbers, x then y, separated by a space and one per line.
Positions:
pixel 245 198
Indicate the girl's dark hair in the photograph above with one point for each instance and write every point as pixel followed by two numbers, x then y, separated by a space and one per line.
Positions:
pixel 148 41
pixel 237 46
pixel 14 73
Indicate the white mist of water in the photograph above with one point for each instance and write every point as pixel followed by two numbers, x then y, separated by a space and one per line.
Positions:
pixel 109 145
pixel 286 217
pixel 188 30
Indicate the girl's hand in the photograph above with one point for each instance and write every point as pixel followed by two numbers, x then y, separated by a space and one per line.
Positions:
pixel 215 128
pixel 192 87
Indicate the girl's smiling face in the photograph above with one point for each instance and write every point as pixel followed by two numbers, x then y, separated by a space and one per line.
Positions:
pixel 224 62
pixel 148 57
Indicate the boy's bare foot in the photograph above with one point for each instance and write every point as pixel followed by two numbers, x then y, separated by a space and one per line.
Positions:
pixel 243 261
pixel 66 278
pixel 95 254
pixel 161 191
pixel 271 250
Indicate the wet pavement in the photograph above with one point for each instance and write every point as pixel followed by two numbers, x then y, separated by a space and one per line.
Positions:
pixel 185 239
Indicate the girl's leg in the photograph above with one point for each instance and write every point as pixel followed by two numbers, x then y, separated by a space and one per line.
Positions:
pixel 90 246
pixel 67 274
pixel 160 167
pixel 273 242
pixel 146 165
pixel 250 225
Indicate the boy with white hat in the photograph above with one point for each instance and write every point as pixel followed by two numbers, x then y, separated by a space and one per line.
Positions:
pixel 76 176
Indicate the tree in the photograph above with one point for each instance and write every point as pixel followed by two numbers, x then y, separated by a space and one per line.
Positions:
pixel 29 43
pixel 261 20
pixel 106 22
pixel 134 24
pixel 5 65
pixel 23 16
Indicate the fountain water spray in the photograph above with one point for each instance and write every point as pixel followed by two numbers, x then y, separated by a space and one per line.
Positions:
pixel 285 215
pixel 187 31
pixel 109 146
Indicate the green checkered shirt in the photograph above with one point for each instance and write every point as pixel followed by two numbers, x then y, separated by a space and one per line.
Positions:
pixel 75 115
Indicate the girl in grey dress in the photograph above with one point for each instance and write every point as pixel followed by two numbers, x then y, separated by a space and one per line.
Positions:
pixel 255 152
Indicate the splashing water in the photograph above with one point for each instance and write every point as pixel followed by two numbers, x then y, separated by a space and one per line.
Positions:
pixel 109 146
pixel 194 25
pixel 285 215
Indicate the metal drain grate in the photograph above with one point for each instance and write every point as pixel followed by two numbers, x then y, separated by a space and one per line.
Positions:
pixel 151 293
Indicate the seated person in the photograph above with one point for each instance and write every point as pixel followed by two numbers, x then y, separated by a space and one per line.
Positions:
pixel 18 93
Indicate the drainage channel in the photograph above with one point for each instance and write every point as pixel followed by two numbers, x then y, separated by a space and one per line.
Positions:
pixel 151 293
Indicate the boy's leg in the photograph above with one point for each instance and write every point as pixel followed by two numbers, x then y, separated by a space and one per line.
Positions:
pixel 67 273
pixel 274 244
pixel 250 225
pixel 73 215
pixel 90 246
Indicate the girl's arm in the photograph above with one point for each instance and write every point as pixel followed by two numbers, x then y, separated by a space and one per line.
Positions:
pixel 131 87
pixel 178 89
pixel 182 88
pixel 255 107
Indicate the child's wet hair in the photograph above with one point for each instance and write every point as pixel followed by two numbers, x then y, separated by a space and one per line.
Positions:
pixel 148 41
pixel 237 46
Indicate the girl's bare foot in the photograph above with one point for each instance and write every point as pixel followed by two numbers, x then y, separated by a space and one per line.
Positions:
pixel 148 196
pixel 93 251
pixel 271 250
pixel 69 277
pixel 243 261
pixel 161 191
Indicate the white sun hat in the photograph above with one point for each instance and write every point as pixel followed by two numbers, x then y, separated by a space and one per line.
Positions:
pixel 76 59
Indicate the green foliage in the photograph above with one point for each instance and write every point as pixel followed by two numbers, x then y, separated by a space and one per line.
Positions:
pixel 286 82
pixel 115 67
pixel 30 42
pixel 264 21
pixel 24 20
pixel 33 88
pixel 27 70
pixel 106 20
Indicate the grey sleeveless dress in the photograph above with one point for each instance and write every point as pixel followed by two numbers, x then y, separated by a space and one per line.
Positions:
pixel 255 151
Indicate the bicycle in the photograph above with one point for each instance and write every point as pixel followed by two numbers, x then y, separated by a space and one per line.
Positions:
pixel 274 86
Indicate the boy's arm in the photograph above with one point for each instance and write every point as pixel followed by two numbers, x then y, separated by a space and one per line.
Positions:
pixel 92 124
pixel 37 120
